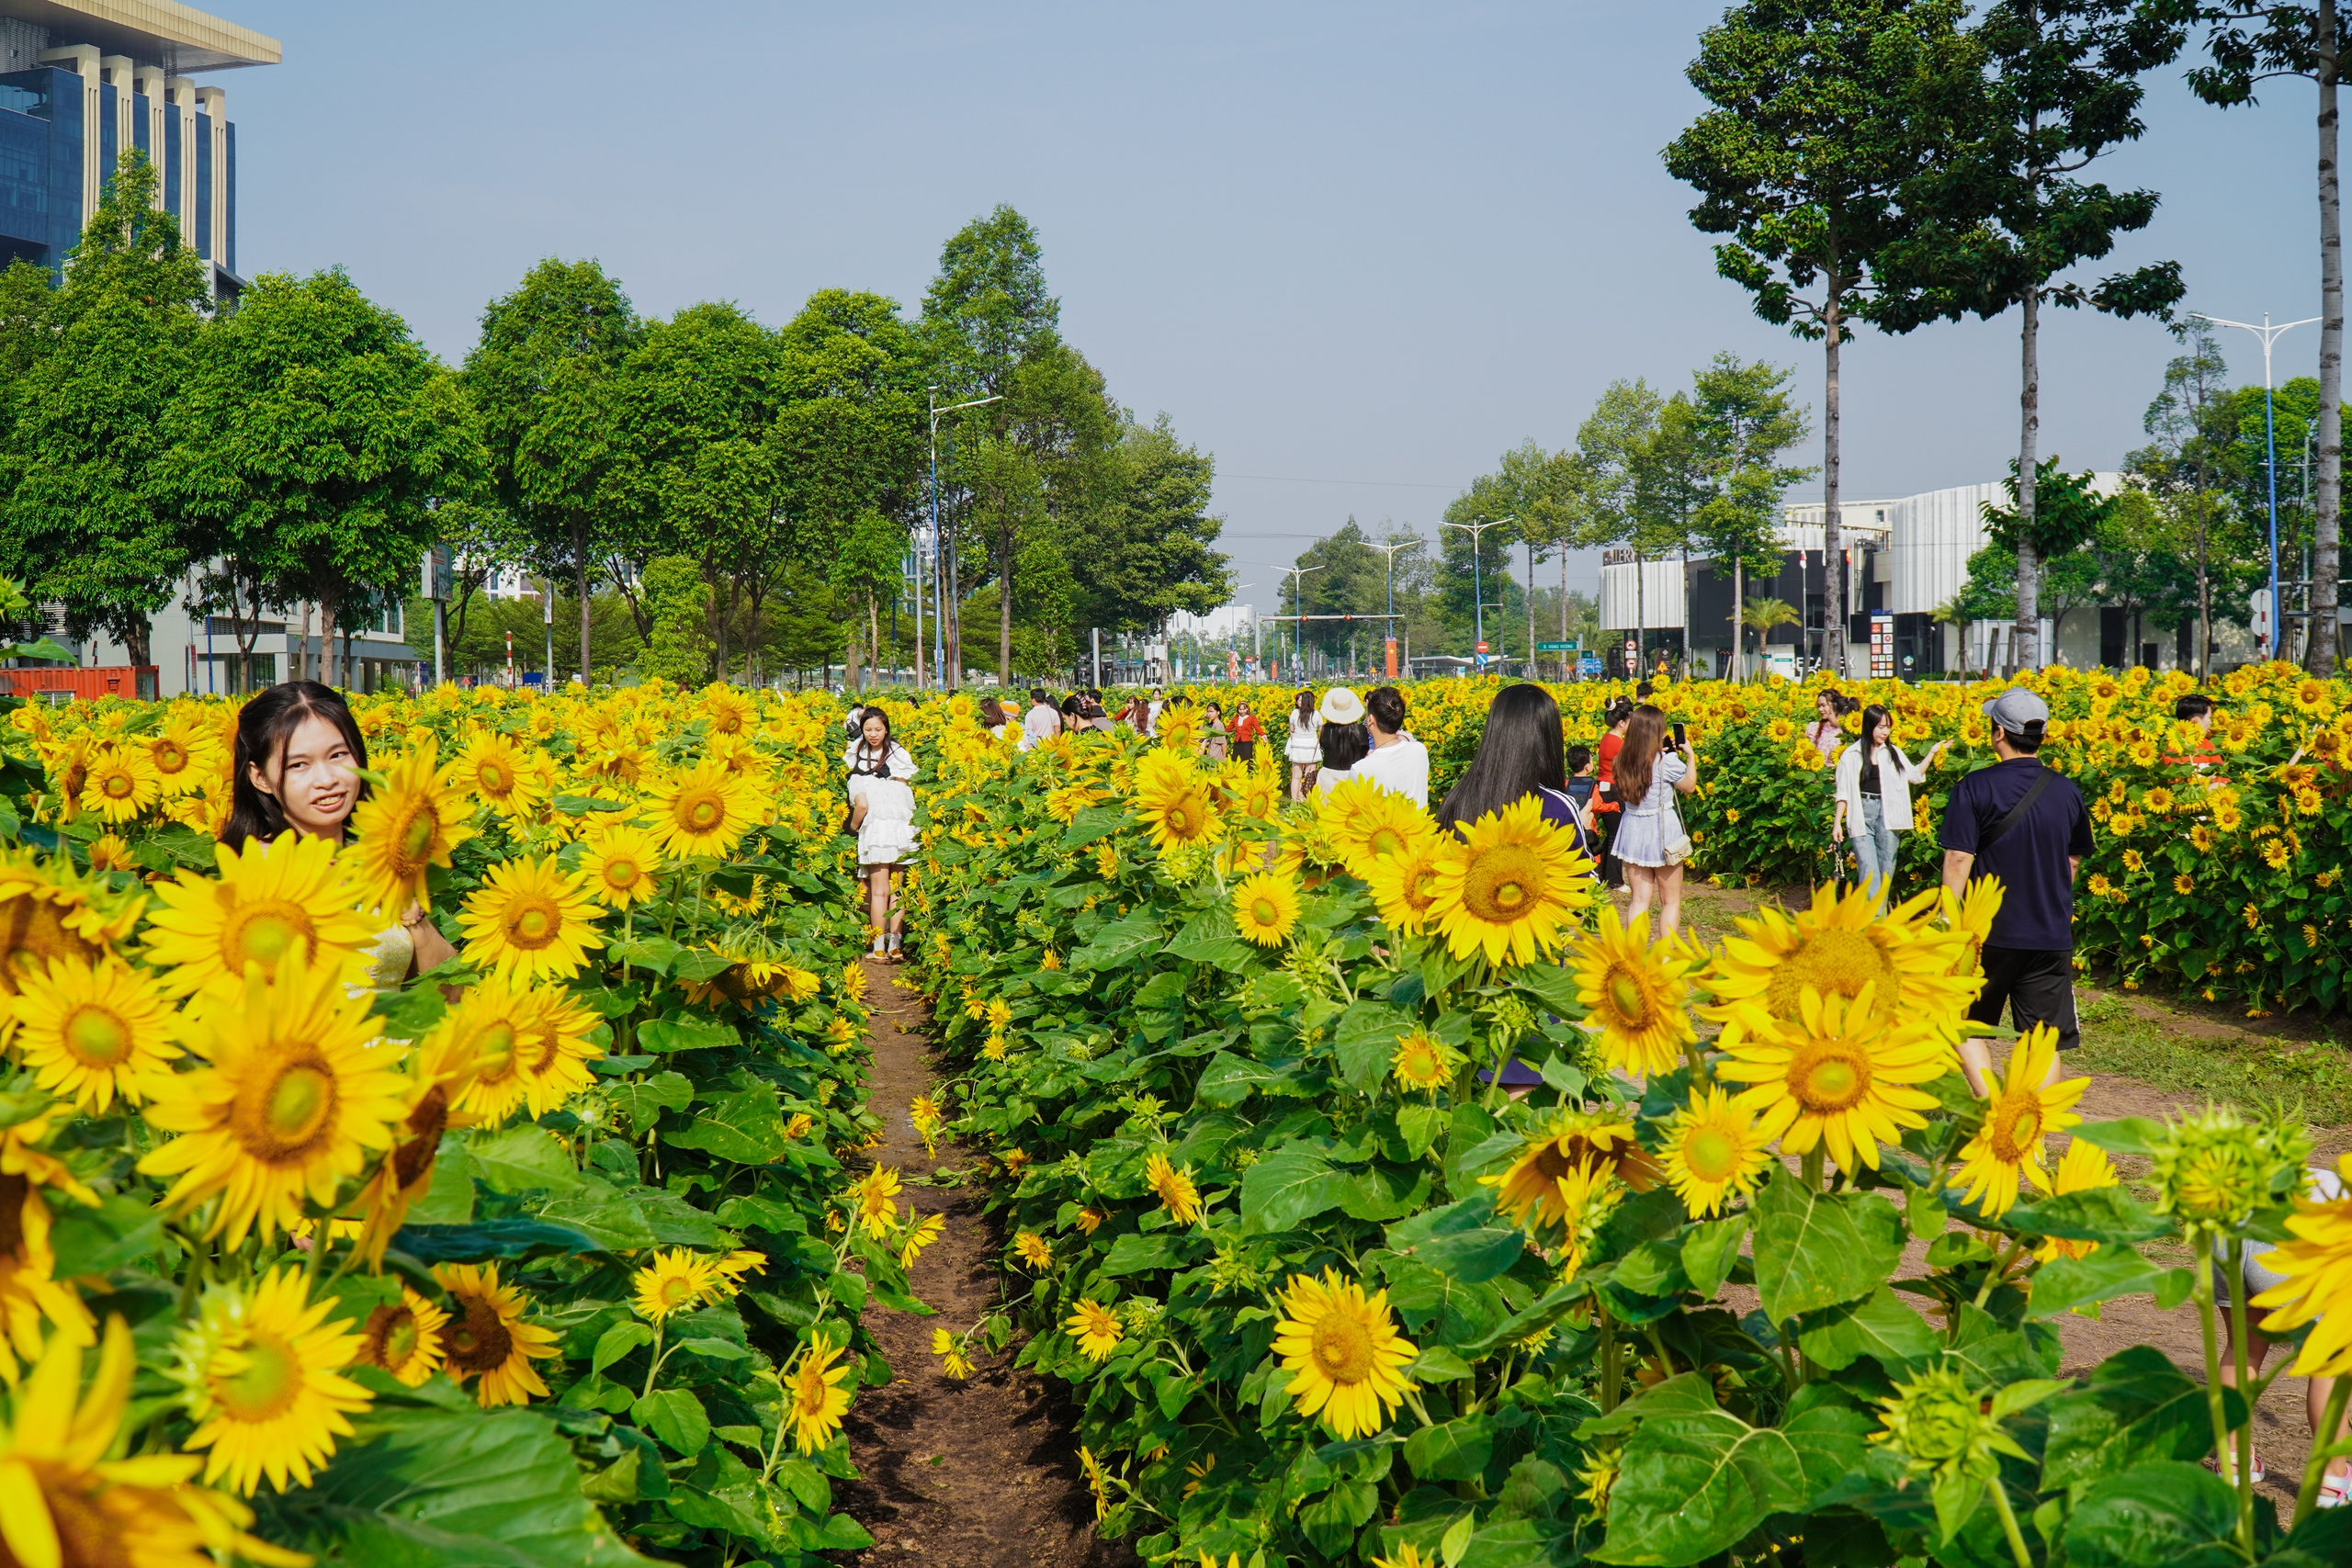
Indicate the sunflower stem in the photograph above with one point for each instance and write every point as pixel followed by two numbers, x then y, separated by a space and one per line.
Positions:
pixel 2315 1468
pixel 2200 1248
pixel 2243 1482
pixel 1608 1359
pixel 2009 1524
pixel 655 1369
pixel 1998 1272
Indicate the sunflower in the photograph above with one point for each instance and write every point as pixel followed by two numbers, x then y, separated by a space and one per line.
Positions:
pixel 919 1234
pixel 620 865
pixel 260 1367
pixel 676 1280
pixel 291 1102
pixel 1713 1152
pixel 1265 907
pixel 486 1028
pixel 1842 947
pixel 2016 1122
pixel 70 1507
pixel 1032 1249
pixel 703 810
pixel 1843 1074
pixel 495 770
pixel 818 1400
pixel 120 783
pixel 875 1192
pixel 531 921
pixel 1096 1328
pixel 1636 993
pixel 183 754
pixel 1508 884
pixel 93 1033
pixel 439 1074
pixel 111 852
pixel 2083 1165
pixel 274 900
pixel 1534 1191
pixel 404 1338
pixel 2318 1268
pixel 728 712
pixel 552 1051
pixel 490 1340
pixel 950 1351
pixel 1384 826
pixel 1404 887
pixel 1424 1063
pixel 1345 1357
pixel 31 1292
pixel 1175 1188
pixel 405 830
pixel 1173 801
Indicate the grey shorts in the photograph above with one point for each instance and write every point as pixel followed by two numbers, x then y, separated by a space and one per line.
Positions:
pixel 2259 1278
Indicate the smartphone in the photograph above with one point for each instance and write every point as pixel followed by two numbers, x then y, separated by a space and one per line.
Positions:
pixel 1677 735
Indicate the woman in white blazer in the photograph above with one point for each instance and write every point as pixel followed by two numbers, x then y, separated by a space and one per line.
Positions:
pixel 1874 780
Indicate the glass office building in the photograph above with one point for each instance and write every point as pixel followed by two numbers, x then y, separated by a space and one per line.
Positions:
pixel 81 80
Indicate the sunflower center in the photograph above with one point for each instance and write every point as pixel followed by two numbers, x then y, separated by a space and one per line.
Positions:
pixel 169 756
pixel 264 931
pixel 12 1191
pixel 1503 883
pixel 96 1037
pixel 496 780
pixel 1711 1153
pixel 1262 910
pixel 701 812
pixel 621 873
pixel 1342 1347
pixel 391 1337
pixel 119 786
pixel 494 1049
pixel 266 1386
pixel 545 1044
pixel 533 922
pixel 1626 994
pixel 1835 962
pixel 1385 841
pixel 480 1343
pixel 2014 1126
pixel 412 1160
pixel 1829 1076
pixel 414 841
pixel 677 1291
pixel 280 1116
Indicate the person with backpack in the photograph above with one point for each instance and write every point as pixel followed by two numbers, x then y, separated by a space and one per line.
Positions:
pixel 2026 826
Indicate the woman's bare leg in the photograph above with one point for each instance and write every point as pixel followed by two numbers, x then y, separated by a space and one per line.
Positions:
pixel 1643 880
pixel 1669 879
pixel 878 903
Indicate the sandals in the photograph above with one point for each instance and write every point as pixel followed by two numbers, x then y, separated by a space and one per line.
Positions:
pixel 2258 1472
pixel 2334 1491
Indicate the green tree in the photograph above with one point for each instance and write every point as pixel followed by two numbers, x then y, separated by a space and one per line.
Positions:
pixel 1815 129
pixel 1048 462
pixel 1543 494
pixel 2000 214
pixel 1615 457
pixel 1149 548
pixel 2186 469
pixel 89 520
pixel 2251 42
pixel 677 600
pixel 1746 423
pixel 314 436
pixel 544 375
pixel 868 568
pixel 1760 615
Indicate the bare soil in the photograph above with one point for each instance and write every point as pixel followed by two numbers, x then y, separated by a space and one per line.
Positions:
pixel 978 1473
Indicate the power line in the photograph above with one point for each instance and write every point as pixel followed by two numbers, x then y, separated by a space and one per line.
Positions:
pixel 1385 484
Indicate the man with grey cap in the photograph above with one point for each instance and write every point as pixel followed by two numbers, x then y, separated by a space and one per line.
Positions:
pixel 2025 826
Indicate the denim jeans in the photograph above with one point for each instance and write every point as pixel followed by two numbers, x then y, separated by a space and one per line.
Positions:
pixel 1873 845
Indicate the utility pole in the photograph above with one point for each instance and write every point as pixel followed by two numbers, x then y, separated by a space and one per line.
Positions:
pixel 2269 334
pixel 1389 553
pixel 546 613
pixel 1297 606
pixel 1477 585
pixel 938 619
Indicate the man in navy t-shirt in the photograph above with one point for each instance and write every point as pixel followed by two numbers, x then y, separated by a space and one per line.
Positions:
pixel 2034 853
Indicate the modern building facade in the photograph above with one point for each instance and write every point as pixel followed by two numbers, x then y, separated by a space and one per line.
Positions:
pixel 81 81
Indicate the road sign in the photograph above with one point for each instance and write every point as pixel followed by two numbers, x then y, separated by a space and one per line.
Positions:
pixel 1588 667
pixel 1482 648
pixel 1556 648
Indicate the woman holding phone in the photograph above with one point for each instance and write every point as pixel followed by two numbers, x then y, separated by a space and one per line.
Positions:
pixel 1874 780
pixel 1652 843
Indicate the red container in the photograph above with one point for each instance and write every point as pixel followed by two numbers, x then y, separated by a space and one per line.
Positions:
pixel 61 685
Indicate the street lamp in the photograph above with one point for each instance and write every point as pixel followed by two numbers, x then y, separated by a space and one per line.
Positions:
pixel 938 624
pixel 1389 552
pixel 1298 605
pixel 2268 334
pixel 1477 586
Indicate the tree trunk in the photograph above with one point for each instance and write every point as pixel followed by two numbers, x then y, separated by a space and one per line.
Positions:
pixel 873 630
pixel 2320 652
pixel 1564 614
pixel 1641 615
pixel 2026 650
pixel 1531 617
pixel 1004 616
pixel 136 640
pixel 1738 633
pixel 329 610
pixel 301 669
pixel 1833 543
pixel 580 576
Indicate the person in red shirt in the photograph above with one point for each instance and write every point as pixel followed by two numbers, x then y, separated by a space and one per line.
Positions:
pixel 1246 732
pixel 1606 808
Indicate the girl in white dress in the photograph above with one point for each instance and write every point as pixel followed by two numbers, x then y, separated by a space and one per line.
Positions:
pixel 882 814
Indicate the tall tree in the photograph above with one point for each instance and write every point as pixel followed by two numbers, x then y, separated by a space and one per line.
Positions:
pixel 986 315
pixel 1613 448
pixel 2186 467
pixel 545 379
pixel 1049 462
pixel 1816 131
pixel 1746 423
pixel 1543 494
pixel 88 522
pixel 1151 548
pixel 2251 42
pixel 314 436
pixel 1999 215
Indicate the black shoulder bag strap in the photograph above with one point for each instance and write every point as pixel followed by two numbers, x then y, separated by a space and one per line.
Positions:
pixel 2016 814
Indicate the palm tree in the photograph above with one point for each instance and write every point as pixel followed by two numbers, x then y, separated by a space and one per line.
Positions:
pixel 1950 613
pixel 1761 615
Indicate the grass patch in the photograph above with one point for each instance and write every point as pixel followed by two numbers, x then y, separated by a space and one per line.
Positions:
pixel 2248 1070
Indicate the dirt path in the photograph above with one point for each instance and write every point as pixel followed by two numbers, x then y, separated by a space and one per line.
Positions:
pixel 981 1474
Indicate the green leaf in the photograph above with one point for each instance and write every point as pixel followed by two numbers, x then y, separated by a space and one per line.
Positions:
pixel 2126 1135
pixel 700 964
pixel 1160 1249
pixel 1332 1520
pixel 426 1486
pixel 643 1103
pixel 669 1034
pixel 2063 1284
pixel 654 952
pixel 524 1158
pixel 2102 1214
pixel 1118 943
pixel 1451 1450
pixel 2135 1406
pixel 1879 1325
pixel 676 1417
pixel 1094 822
pixel 744 1125
pixel 2167 1512
pixel 1816 1249
pixel 1289 1186
pixel 1463 1239
pixel 1694 1478
pixel 486 1240
pixel 117 1233
pixel 1366 1039
pixel 1230 1079
pixel 1710 1250
pixel 1420 1126
pixel 618 1341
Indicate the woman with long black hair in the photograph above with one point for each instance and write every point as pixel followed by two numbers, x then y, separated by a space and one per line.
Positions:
pixel 1874 780
pixel 882 814
pixel 295 769
pixel 1652 843
pixel 1521 753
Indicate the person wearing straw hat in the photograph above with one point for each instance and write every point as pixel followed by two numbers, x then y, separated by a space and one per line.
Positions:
pixel 1340 737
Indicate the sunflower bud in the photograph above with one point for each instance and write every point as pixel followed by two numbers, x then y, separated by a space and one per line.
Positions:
pixel 2212 1170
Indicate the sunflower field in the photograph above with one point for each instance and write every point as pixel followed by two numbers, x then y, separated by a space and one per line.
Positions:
pixel 1322 1293
pixel 546 1257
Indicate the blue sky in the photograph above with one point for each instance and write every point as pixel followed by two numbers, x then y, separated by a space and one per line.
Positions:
pixel 1356 252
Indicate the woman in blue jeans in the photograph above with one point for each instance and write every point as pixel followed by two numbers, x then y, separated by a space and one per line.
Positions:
pixel 1874 780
